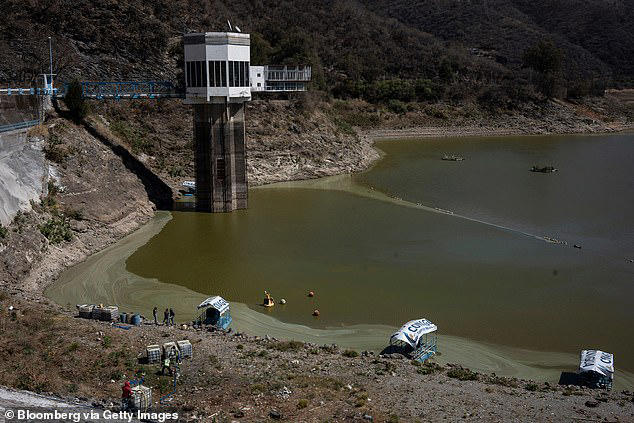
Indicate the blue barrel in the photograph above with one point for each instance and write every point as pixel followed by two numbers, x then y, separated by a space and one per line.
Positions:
pixel 136 320
pixel 123 317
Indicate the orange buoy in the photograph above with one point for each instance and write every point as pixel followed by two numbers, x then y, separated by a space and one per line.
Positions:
pixel 316 313
pixel 311 294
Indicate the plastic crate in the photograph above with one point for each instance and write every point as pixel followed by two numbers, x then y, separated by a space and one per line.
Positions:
pixel 107 314
pixel 153 353
pixel 85 310
pixel 110 314
pixel 142 397
pixel 168 346
pixel 185 348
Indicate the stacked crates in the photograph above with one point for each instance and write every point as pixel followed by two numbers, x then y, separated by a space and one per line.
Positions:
pixel 142 397
pixel 153 353
pixel 85 310
pixel 107 314
pixel 185 348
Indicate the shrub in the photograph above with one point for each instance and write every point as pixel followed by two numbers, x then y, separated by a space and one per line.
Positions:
pixel 55 150
pixel 428 368
pixel 137 139
pixel 107 342
pixel 56 230
pixel 531 387
pixel 350 353
pixel 493 99
pixel 288 346
pixel 503 381
pixel 302 403
pixel 3 232
pixel 49 201
pixel 397 106
pixel 74 214
pixel 461 373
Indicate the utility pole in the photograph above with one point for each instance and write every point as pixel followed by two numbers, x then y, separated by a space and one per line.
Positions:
pixel 50 57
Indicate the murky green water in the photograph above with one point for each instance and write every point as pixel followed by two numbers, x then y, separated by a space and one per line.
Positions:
pixel 377 261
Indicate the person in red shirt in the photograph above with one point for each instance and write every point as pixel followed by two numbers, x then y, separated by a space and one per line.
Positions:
pixel 126 396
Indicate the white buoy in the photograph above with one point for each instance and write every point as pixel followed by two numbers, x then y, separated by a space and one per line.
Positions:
pixel 282 301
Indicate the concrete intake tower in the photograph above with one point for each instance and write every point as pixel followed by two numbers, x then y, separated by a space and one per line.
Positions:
pixel 217 81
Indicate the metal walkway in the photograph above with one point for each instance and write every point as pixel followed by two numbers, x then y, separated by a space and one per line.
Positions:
pixel 106 89
pixel 127 89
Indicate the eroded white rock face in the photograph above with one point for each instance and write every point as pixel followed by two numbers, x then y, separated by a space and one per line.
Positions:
pixel 24 173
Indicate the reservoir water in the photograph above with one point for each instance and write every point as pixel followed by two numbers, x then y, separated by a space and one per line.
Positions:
pixel 375 251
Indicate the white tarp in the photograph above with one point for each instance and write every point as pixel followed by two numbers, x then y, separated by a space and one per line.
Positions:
pixel 411 332
pixel 216 302
pixel 597 361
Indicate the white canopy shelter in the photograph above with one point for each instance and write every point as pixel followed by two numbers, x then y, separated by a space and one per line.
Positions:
pixel 412 332
pixel 216 302
pixel 597 361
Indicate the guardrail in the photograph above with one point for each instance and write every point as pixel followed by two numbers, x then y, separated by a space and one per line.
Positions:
pixel 27 91
pixel 19 125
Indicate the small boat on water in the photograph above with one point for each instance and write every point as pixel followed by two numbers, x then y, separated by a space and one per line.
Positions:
pixel 190 186
pixel 545 169
pixel 452 158
pixel 268 300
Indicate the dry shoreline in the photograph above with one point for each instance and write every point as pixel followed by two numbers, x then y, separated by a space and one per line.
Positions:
pixel 466 131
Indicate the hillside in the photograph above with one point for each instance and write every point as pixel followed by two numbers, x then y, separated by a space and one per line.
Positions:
pixel 596 36
pixel 482 41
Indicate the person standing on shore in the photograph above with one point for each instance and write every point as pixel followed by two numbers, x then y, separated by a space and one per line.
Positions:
pixel 154 310
pixel 126 396
pixel 172 317
pixel 166 317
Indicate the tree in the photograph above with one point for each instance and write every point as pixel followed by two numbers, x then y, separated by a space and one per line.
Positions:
pixel 75 101
pixel 260 49
pixel 545 59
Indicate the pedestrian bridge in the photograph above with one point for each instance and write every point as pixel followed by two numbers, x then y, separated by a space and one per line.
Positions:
pixel 100 90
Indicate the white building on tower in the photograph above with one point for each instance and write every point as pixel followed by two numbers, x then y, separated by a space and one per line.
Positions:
pixel 217 67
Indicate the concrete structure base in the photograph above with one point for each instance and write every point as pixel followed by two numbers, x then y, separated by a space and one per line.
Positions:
pixel 220 156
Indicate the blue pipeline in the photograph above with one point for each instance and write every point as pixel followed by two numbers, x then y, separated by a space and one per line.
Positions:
pixel 165 397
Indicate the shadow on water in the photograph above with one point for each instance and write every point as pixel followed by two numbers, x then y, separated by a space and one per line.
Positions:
pixel 157 191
